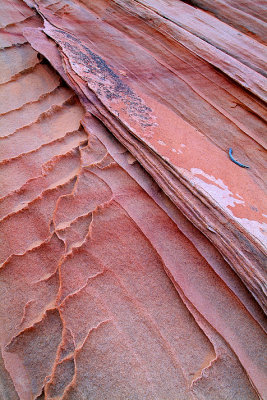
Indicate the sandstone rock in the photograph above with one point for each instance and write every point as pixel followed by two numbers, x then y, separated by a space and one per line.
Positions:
pixel 133 249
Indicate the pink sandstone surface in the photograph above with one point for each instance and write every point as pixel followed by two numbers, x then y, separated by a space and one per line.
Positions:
pixel 133 250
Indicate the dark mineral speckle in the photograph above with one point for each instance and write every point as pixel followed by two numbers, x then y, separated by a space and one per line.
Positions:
pixel 112 87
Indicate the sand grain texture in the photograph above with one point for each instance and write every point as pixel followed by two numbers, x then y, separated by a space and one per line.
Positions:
pixel 132 249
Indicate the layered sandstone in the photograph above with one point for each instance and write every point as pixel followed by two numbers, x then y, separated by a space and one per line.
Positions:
pixel 133 249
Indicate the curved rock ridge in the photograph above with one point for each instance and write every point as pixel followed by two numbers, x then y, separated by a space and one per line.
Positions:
pixel 131 247
pixel 152 106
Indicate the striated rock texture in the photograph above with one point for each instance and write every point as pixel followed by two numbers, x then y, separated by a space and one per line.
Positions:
pixel 173 111
pixel 133 250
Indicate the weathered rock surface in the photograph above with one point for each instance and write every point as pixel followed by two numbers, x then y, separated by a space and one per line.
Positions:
pixel 133 249
pixel 171 118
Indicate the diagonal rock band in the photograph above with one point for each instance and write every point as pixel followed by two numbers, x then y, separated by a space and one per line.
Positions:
pixel 133 252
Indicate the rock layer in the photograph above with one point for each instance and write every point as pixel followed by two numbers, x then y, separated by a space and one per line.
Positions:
pixel 132 249
pixel 167 134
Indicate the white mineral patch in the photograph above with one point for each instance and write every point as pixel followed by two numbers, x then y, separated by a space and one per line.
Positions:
pixel 225 198
pixel 162 143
